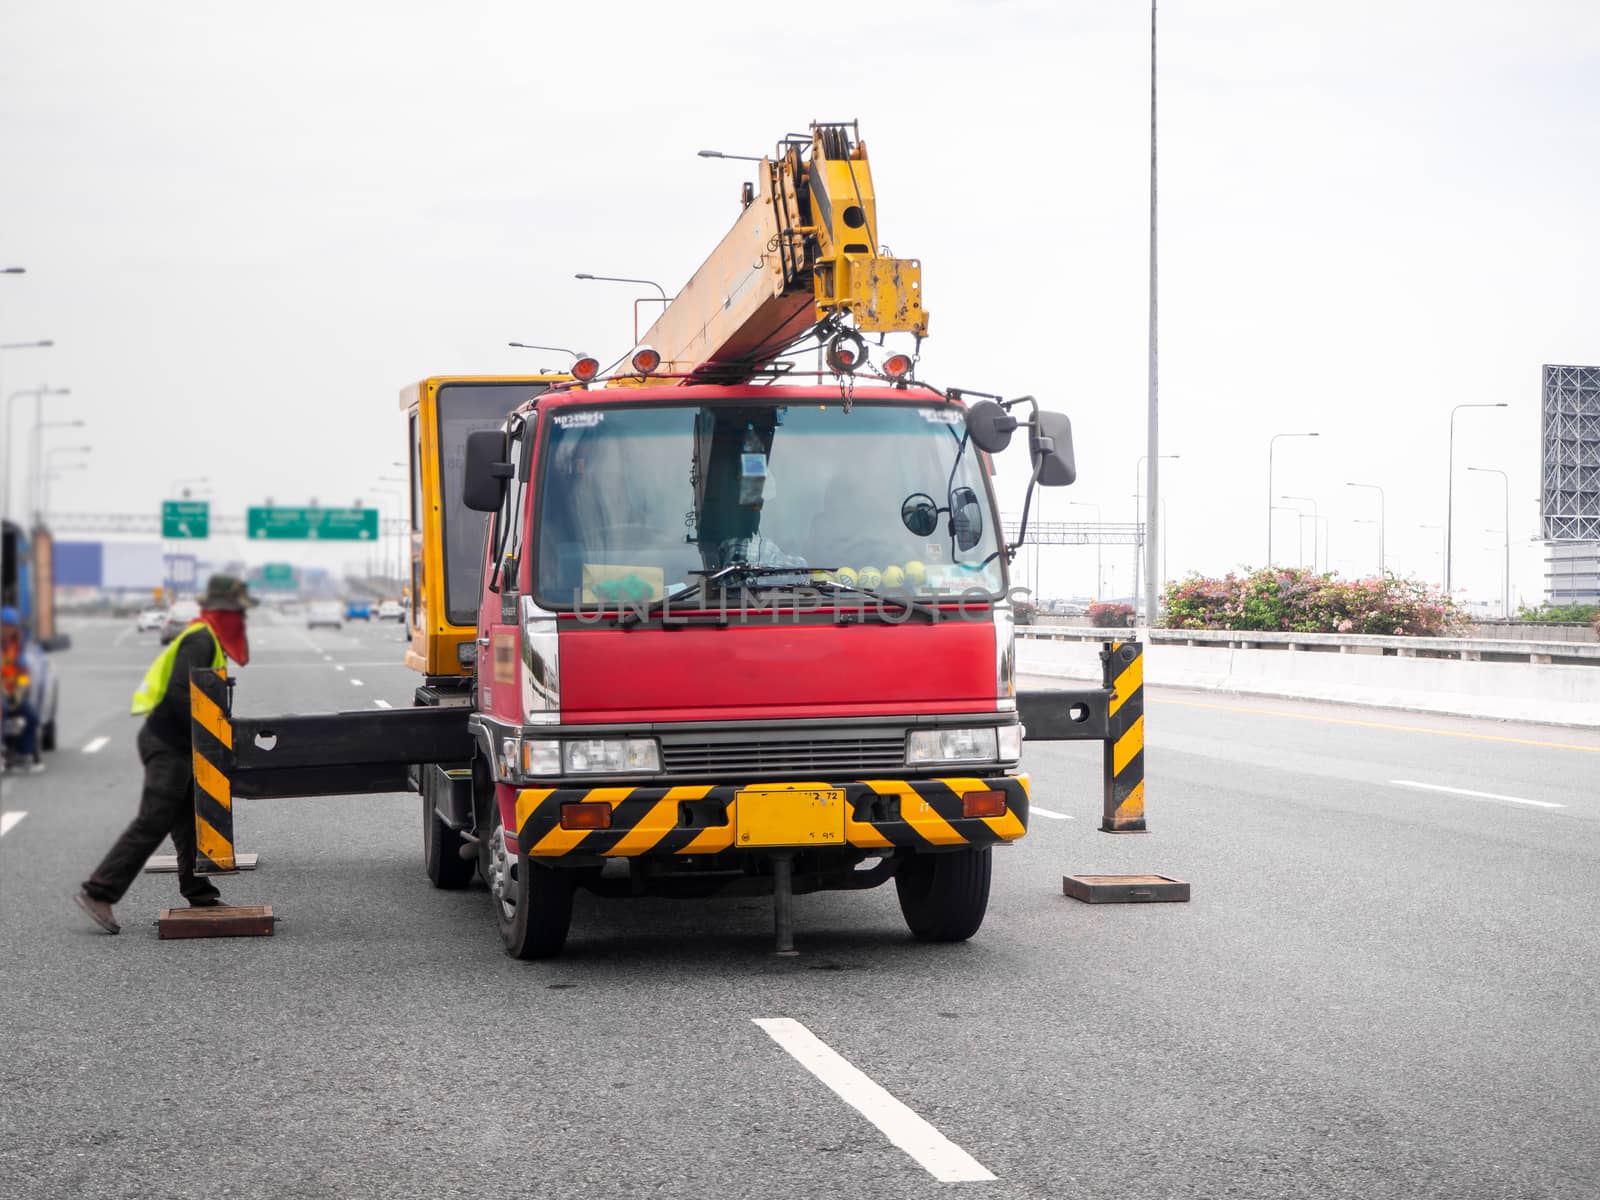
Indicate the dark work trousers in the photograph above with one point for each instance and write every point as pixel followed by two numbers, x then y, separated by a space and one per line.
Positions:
pixel 166 808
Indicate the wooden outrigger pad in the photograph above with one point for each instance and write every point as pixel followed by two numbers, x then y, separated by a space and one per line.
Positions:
pixel 218 920
pixel 1124 889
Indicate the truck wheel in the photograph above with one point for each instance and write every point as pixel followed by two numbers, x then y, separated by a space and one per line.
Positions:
pixel 47 735
pixel 943 897
pixel 532 904
pixel 441 850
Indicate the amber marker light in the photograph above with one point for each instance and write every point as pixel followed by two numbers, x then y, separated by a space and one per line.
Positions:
pixel 585 814
pixel 646 361
pixel 586 368
pixel 983 804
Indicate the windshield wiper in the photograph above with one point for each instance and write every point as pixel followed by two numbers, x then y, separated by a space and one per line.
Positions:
pixel 903 602
pixel 634 616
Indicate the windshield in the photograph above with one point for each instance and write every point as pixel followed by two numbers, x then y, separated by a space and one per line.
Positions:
pixel 635 500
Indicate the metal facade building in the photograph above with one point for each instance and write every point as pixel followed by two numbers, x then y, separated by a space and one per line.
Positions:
pixel 1570 483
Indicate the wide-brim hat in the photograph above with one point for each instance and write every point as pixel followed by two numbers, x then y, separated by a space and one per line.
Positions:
pixel 226 593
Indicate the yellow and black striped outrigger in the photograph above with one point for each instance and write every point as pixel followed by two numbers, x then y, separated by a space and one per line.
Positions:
pixel 1124 738
pixel 213 773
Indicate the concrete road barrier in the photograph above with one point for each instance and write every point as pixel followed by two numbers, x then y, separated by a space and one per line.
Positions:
pixel 1512 691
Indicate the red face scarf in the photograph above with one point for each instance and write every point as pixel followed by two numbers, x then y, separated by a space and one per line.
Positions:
pixel 229 628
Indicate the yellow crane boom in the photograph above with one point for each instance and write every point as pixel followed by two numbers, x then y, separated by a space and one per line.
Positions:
pixel 804 251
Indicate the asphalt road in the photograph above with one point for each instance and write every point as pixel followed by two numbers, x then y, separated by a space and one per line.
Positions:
pixel 1378 990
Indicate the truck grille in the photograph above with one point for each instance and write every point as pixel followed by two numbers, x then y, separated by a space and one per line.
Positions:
pixel 774 756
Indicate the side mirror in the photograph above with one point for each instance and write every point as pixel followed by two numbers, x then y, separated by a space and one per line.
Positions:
pixel 990 426
pixel 483 482
pixel 920 514
pixel 1050 444
pixel 61 641
pixel 966 518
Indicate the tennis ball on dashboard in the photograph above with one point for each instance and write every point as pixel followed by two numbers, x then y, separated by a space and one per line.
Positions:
pixel 845 575
pixel 916 572
pixel 870 577
pixel 893 576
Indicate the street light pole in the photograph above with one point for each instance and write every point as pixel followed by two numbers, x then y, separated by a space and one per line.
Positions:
pixel 1505 599
pixel 1383 523
pixel 1272 444
pixel 1450 494
pixel 1315 528
pixel 8 440
pixel 34 490
pixel 1153 444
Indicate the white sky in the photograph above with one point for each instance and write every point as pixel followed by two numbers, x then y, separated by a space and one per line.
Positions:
pixel 248 226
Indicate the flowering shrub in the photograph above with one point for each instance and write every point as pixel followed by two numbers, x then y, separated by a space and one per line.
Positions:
pixel 1297 600
pixel 1110 616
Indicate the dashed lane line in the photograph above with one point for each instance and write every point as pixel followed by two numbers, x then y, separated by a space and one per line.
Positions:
pixel 383 704
pixel 933 1152
pixel 8 821
pixel 356 683
pixel 96 745
pixel 1045 812
pixel 1455 791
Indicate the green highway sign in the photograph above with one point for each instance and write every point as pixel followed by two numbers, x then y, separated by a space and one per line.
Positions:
pixel 185 518
pixel 277 575
pixel 317 524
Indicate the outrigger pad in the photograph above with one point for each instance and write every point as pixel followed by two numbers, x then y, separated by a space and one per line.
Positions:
pixel 218 920
pixel 1124 889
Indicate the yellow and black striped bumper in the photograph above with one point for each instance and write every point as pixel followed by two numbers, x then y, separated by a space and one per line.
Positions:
pixel 703 819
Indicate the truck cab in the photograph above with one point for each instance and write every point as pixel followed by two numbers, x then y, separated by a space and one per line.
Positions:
pixel 728 633
pixel 27 588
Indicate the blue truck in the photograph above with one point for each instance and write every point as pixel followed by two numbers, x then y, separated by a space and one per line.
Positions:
pixel 27 589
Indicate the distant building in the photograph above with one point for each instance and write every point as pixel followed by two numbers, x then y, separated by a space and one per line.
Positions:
pixel 1570 484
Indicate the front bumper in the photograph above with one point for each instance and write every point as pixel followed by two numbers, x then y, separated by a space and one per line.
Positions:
pixel 872 814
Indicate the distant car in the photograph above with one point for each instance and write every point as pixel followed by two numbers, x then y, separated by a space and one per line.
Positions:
pixel 179 617
pixel 151 618
pixel 358 610
pixel 325 612
pixel 390 610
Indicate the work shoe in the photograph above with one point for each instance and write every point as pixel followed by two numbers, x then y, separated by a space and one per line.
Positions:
pixel 213 901
pixel 35 766
pixel 99 912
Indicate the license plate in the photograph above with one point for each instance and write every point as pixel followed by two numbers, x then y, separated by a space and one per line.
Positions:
pixel 789 816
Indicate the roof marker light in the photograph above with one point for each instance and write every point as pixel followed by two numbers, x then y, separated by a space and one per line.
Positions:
pixel 846 352
pixel 897 366
pixel 586 368
pixel 646 361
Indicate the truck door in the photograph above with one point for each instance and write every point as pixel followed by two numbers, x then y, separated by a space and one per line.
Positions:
pixel 499 635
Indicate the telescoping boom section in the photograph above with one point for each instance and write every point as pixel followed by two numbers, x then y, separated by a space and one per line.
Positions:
pixel 804 252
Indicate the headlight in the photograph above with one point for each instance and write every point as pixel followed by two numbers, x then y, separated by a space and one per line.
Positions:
pixel 541 757
pixel 610 756
pixel 951 745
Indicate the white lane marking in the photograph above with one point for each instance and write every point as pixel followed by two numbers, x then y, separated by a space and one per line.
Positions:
pixel 124 636
pixel 356 683
pixel 338 666
pixel 1045 812
pixel 97 745
pixel 327 658
pixel 383 704
pixel 1454 791
pixel 8 821
pixel 935 1153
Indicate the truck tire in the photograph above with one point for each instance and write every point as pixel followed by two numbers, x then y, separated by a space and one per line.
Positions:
pixel 944 897
pixel 47 735
pixel 532 904
pixel 441 850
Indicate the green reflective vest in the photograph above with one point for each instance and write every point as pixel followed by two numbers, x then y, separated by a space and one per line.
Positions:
pixel 153 690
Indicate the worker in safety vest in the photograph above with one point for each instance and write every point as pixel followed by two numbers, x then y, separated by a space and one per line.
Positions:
pixel 166 747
